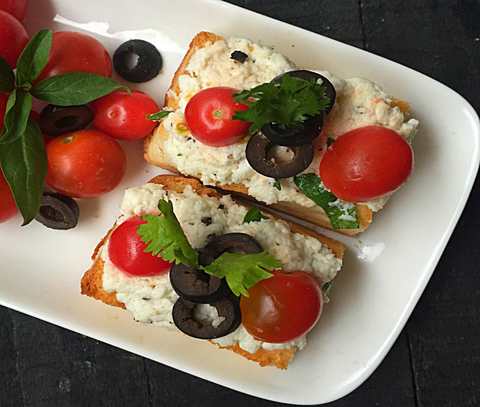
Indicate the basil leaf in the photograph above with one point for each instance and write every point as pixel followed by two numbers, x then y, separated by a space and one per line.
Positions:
pixel 24 165
pixel 34 58
pixel 7 78
pixel 73 89
pixel 18 110
pixel 342 215
pixel 159 115
pixel 253 215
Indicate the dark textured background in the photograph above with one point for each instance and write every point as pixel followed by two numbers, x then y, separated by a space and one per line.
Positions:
pixel 436 360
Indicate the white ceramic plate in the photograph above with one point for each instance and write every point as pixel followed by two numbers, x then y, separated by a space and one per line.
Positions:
pixel 371 301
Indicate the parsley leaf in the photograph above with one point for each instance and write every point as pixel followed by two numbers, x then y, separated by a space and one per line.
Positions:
pixel 253 215
pixel 243 271
pixel 277 184
pixel 288 102
pixel 156 117
pixel 164 237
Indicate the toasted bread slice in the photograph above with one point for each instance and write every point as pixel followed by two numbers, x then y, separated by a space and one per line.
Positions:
pixel 91 284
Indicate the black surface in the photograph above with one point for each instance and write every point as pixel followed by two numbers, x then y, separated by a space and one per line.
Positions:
pixel 436 360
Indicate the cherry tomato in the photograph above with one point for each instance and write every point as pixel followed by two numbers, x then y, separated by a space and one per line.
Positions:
pixel 3 107
pixel 13 38
pixel 8 208
pixel 75 52
pixel 126 251
pixel 366 163
pixel 124 116
pixel 84 164
pixel 283 307
pixel 209 117
pixel 16 8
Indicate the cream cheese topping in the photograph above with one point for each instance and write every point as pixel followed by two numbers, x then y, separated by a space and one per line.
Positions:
pixel 151 299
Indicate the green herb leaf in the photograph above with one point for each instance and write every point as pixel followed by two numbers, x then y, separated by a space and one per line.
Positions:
pixel 18 110
pixel 342 215
pixel 243 271
pixel 253 215
pixel 288 102
pixel 24 165
pixel 7 77
pixel 156 117
pixel 34 58
pixel 73 89
pixel 277 184
pixel 164 237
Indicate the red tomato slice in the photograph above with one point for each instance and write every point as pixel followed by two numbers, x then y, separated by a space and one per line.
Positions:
pixel 366 163
pixel 126 251
pixel 283 307
pixel 209 117
pixel 13 38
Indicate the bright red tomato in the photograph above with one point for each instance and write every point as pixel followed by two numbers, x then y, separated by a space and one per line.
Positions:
pixel 283 307
pixel 3 107
pixel 126 250
pixel 13 38
pixel 366 163
pixel 8 208
pixel 75 52
pixel 85 164
pixel 209 117
pixel 124 116
pixel 16 8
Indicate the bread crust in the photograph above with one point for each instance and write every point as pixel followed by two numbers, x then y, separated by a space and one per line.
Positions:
pixel 92 286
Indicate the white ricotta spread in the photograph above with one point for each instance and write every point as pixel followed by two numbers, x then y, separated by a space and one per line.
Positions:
pixel 150 299
pixel 360 102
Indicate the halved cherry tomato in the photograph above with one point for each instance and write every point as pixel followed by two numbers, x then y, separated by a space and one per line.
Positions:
pixel 16 8
pixel 13 38
pixel 366 163
pixel 3 107
pixel 283 307
pixel 209 117
pixel 85 164
pixel 8 208
pixel 75 52
pixel 126 251
pixel 124 115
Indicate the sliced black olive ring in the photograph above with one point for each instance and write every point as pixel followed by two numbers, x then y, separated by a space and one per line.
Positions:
pixel 137 61
pixel 263 157
pixel 58 211
pixel 299 135
pixel 57 120
pixel 195 285
pixel 184 318
pixel 229 242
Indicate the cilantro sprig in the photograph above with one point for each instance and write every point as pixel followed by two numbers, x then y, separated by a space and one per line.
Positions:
pixel 287 102
pixel 253 215
pixel 23 159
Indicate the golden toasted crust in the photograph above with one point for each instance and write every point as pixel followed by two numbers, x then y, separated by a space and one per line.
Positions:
pixel 91 284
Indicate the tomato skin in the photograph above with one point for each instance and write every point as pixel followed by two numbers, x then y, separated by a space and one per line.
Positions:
pixel 13 38
pixel 283 307
pixel 366 163
pixel 209 117
pixel 76 52
pixel 8 208
pixel 84 164
pixel 126 251
pixel 16 8
pixel 124 116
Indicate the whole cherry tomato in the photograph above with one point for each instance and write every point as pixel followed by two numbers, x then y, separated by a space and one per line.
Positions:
pixel 13 38
pixel 123 115
pixel 209 116
pixel 283 307
pixel 366 163
pixel 16 8
pixel 76 52
pixel 8 208
pixel 85 164
pixel 126 251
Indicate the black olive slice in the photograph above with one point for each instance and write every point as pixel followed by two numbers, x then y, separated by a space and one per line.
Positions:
pixel 57 120
pixel 58 211
pixel 263 157
pixel 239 56
pixel 195 285
pixel 137 61
pixel 185 320
pixel 229 242
pixel 299 135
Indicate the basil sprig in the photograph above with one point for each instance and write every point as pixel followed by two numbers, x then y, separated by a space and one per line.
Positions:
pixel 23 160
